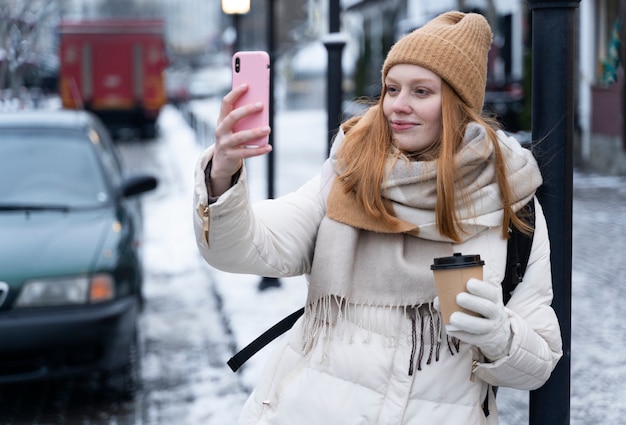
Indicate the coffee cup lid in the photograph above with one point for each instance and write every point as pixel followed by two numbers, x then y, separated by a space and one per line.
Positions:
pixel 457 260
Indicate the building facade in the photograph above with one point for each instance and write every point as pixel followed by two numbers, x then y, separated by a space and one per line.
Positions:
pixel 602 94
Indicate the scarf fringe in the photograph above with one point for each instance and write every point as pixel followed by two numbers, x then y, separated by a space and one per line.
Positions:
pixel 328 317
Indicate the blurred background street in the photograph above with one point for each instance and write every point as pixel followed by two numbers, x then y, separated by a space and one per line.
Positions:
pixel 195 317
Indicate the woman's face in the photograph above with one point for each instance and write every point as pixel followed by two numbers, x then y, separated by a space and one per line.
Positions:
pixel 412 106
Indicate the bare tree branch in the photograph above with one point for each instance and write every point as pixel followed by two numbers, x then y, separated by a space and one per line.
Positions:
pixel 25 34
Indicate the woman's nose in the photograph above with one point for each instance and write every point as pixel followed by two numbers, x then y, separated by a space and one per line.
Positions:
pixel 401 103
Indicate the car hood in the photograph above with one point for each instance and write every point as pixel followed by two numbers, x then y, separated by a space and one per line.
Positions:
pixel 48 243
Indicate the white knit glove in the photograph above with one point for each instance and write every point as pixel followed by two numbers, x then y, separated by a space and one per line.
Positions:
pixel 491 333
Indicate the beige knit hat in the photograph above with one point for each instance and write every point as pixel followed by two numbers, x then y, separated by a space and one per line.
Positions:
pixel 454 46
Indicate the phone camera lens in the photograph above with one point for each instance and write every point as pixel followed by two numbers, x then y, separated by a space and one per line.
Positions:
pixel 237 64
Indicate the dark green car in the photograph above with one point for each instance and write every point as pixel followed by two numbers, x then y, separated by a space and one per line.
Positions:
pixel 70 250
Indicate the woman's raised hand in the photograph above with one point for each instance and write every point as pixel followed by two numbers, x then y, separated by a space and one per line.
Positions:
pixel 230 149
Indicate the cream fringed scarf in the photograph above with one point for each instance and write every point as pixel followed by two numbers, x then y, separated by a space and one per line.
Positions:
pixel 360 262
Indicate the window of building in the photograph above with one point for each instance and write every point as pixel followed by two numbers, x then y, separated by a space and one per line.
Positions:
pixel 608 42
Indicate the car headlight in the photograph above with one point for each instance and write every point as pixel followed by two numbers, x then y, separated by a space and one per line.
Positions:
pixel 74 290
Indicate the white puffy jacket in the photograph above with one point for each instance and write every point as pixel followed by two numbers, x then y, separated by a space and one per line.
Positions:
pixel 363 379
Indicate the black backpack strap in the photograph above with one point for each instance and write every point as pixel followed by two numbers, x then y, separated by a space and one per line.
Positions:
pixel 268 336
pixel 518 252
pixel 518 248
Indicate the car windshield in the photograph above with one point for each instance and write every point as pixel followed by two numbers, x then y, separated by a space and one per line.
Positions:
pixel 49 169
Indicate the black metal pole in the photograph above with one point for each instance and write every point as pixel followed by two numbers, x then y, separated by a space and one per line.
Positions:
pixel 553 83
pixel 272 139
pixel 270 282
pixel 334 18
pixel 237 25
pixel 334 92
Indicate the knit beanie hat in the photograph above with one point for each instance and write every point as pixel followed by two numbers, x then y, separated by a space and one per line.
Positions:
pixel 454 45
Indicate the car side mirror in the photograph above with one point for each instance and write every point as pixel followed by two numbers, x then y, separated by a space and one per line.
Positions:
pixel 137 184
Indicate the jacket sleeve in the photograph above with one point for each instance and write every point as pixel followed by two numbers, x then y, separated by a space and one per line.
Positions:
pixel 537 346
pixel 272 238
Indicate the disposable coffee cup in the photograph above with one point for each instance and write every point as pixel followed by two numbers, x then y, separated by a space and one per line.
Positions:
pixel 451 275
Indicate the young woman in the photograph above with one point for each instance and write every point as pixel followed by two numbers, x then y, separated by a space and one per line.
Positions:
pixel 420 175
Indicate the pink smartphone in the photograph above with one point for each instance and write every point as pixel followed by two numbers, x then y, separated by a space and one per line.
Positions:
pixel 253 68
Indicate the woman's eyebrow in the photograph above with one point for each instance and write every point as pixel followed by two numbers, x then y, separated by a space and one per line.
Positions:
pixel 419 80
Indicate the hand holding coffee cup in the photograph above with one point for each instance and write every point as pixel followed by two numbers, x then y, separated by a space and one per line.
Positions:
pixel 451 275
pixel 490 328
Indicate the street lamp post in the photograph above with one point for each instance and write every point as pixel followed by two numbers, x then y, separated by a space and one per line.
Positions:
pixel 553 65
pixel 270 282
pixel 270 41
pixel 236 8
pixel 334 42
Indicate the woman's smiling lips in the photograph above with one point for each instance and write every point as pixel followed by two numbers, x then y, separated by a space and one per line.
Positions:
pixel 402 125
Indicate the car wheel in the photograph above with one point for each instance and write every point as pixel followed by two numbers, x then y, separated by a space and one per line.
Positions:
pixel 124 381
pixel 149 130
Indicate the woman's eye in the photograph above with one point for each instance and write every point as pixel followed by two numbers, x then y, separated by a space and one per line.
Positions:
pixel 421 92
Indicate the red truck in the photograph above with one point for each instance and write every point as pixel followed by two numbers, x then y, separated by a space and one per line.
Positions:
pixel 115 69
